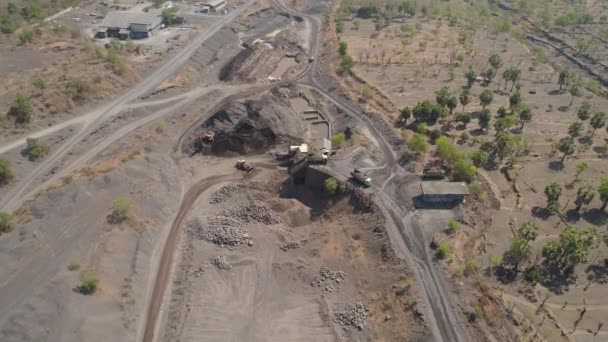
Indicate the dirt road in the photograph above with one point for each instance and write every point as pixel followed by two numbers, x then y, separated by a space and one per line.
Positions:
pixel 164 268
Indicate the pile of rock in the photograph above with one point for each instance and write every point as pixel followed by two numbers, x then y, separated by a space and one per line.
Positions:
pixel 226 192
pixel 199 273
pixel 220 230
pixel 354 316
pixel 292 245
pixel 221 263
pixel 326 275
pixel 254 212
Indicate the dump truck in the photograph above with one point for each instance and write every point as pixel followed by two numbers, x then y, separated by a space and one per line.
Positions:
pixel 319 158
pixel 242 165
pixel 361 177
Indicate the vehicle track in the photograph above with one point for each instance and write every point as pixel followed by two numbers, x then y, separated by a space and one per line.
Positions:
pixel 166 261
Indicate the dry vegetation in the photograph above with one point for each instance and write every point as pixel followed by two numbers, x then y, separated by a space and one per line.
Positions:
pixel 517 115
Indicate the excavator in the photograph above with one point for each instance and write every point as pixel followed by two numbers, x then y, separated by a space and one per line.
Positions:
pixel 242 165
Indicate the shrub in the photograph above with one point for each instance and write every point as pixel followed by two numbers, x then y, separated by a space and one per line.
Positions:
pixel 35 149
pixel 26 36
pixel 121 209
pixel 495 260
pixel 88 282
pixel 331 185
pixel 347 62
pixel 435 134
pixel 443 251
pixel 417 144
pixel 6 171
pixel 118 64
pixel 366 91
pixel 471 266
pixel 5 222
pixel 21 109
pixel 74 265
pixel 453 226
pixel 338 140
pixel 7 25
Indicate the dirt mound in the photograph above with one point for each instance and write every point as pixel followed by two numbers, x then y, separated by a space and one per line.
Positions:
pixel 247 127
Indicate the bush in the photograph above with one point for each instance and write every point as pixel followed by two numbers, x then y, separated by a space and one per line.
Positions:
pixel 453 226
pixel 435 134
pixel 26 36
pixel 331 185
pixel 338 140
pixel 168 16
pixel 6 171
pixel 5 222
pixel 21 109
pixel 88 282
pixel 35 149
pixel 7 25
pixel 443 251
pixel 367 11
pixel 347 62
pixel 121 208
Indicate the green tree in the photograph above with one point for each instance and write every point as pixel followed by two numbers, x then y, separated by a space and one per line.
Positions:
pixel 485 98
pixel 598 120
pixel 572 248
pixel 574 88
pixel 343 48
pixel 35 149
pixel 465 98
pixel 88 282
pixel 404 115
pixel 443 251
pixel 442 96
pixel 495 61
pixel 31 12
pixel 564 78
pixel 515 99
pixel 435 134
pixel 465 118
pixel 121 209
pixel 417 144
pixel 584 112
pixel 479 157
pixel 471 76
pixel 331 185
pixel 580 168
pixel 584 195
pixel 347 62
pixel 485 117
pixel 6 171
pixel 168 16
pixel 5 222
pixel 553 192
pixel 427 111
pixel 566 146
pixel 452 103
pixel 575 129
pixel 602 190
pixel 525 116
pixel 502 112
pixel 338 140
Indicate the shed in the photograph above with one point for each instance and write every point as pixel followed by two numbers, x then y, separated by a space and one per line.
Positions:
pixel 451 193
pixel 215 5
pixel 130 24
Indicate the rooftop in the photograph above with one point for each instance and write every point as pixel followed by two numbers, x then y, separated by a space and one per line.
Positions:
pixel 214 3
pixel 444 188
pixel 124 20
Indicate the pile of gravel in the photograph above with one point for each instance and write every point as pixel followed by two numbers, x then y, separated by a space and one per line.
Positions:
pixel 354 316
pixel 292 245
pixel 226 192
pixel 220 230
pixel 255 211
pixel 221 263
pixel 326 275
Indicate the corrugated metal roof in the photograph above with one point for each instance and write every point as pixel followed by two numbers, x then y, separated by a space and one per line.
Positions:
pixel 214 3
pixel 444 188
pixel 123 20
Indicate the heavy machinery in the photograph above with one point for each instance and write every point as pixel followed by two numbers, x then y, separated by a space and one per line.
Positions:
pixel 433 173
pixel 319 158
pixel 361 177
pixel 207 137
pixel 242 165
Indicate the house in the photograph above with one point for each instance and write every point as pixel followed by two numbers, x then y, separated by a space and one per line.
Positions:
pixel 443 193
pixel 213 6
pixel 124 25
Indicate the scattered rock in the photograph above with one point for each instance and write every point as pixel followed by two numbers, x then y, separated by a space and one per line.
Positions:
pixel 221 263
pixel 292 245
pixel 327 275
pixel 354 316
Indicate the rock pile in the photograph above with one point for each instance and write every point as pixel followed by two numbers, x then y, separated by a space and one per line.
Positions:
pixel 220 230
pixel 292 245
pixel 354 316
pixel 199 273
pixel 226 192
pixel 326 275
pixel 255 211
pixel 221 263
